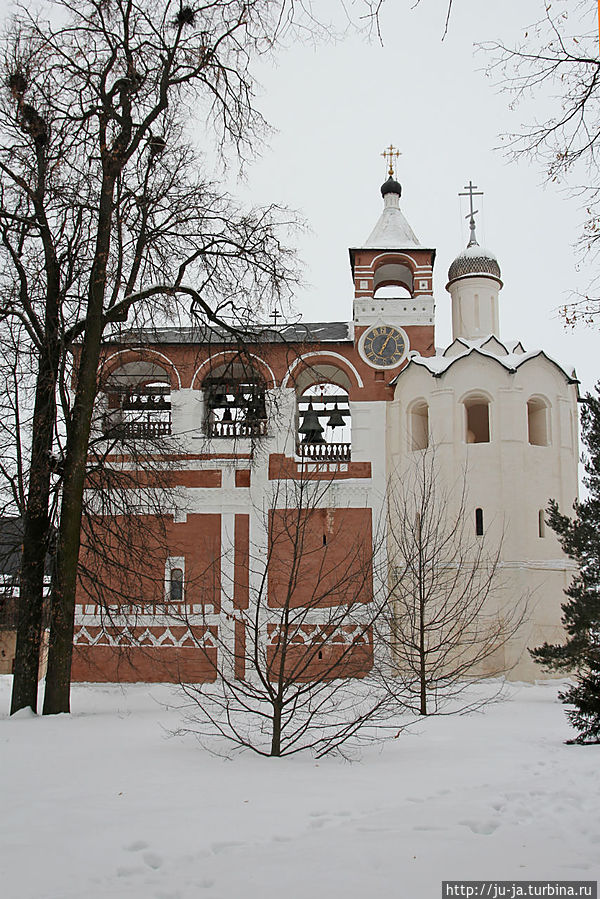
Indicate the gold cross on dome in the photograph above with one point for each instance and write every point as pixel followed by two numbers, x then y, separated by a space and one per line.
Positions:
pixel 390 153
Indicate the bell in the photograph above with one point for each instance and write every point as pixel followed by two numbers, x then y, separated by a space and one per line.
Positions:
pixel 336 419
pixel 227 416
pixel 311 427
pixel 219 395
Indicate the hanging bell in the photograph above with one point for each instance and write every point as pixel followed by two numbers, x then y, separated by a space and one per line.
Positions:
pixel 227 416
pixel 336 419
pixel 219 395
pixel 311 427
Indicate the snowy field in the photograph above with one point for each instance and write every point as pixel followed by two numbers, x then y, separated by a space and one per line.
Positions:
pixel 105 803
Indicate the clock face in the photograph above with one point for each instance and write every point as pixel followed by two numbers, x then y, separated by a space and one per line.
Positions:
pixel 384 346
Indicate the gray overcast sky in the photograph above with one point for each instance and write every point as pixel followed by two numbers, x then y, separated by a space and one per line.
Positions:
pixel 336 107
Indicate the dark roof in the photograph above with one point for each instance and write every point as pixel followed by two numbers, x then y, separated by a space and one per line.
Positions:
pixel 475 260
pixel 300 332
pixel 391 186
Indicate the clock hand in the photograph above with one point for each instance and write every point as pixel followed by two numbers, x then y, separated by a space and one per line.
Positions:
pixel 385 343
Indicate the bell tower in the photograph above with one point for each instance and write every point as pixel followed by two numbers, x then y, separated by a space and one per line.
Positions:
pixel 393 276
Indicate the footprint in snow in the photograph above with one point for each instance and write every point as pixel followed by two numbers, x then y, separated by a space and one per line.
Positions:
pixel 129 870
pixel 485 828
pixel 137 846
pixel 153 860
pixel 225 845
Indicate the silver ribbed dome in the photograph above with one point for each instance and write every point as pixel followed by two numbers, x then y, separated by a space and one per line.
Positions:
pixel 474 260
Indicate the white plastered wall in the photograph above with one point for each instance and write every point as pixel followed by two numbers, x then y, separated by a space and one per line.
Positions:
pixel 508 478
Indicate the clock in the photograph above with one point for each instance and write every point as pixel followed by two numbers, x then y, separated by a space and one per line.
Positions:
pixel 384 346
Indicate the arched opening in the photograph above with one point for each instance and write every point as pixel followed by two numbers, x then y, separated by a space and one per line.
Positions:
pixel 324 427
pixel 479 522
pixel 477 419
pixel 392 292
pixel 235 401
pixel 537 422
pixel 176 585
pixel 394 275
pixel 541 523
pixel 139 402
pixel 418 425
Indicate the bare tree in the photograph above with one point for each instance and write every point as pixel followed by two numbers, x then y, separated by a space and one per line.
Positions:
pixel 103 215
pixel 452 615
pixel 556 67
pixel 296 649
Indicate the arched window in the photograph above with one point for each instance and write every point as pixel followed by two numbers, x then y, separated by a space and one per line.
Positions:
pixel 477 419
pixel 479 522
pixel 324 430
pixel 139 402
pixel 235 402
pixel 541 523
pixel 176 585
pixel 418 425
pixel 537 422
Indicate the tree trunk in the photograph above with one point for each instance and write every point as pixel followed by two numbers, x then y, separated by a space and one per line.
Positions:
pixel 36 535
pixel 36 538
pixel 422 656
pixel 276 735
pixel 60 650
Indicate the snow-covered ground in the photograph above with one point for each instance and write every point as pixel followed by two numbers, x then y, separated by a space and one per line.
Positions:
pixel 105 803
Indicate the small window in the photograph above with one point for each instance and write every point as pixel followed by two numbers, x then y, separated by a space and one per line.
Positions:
pixel 419 426
pixel 477 420
pixel 176 585
pixel 537 422
pixel 479 522
pixel 541 523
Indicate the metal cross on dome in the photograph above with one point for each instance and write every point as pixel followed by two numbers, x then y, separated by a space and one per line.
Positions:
pixel 470 192
pixel 390 153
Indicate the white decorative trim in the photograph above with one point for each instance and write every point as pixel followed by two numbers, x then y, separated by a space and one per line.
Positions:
pixel 226 353
pixel 144 350
pixel 126 637
pixel 343 359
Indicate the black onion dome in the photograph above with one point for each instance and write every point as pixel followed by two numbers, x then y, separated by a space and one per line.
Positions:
pixel 391 186
pixel 475 260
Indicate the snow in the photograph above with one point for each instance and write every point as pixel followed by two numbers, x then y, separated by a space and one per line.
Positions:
pixel 107 803
pixel 461 348
pixel 392 230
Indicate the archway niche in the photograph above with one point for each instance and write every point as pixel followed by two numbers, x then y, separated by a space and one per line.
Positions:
pixel 537 422
pixel 418 425
pixel 324 430
pixel 138 401
pixel 235 401
pixel 477 419
pixel 395 275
